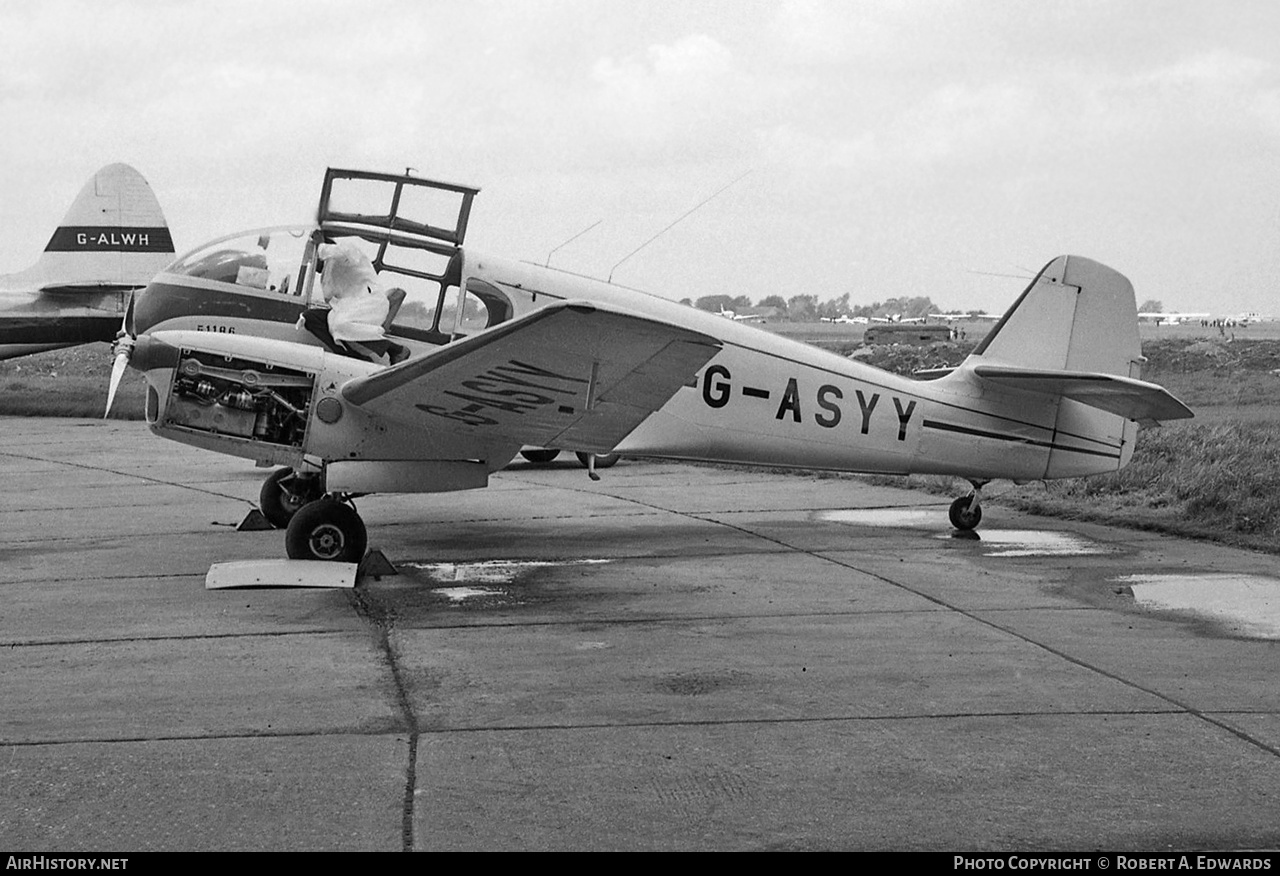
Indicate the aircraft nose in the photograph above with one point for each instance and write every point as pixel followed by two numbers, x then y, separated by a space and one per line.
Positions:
pixel 149 353
pixel 151 306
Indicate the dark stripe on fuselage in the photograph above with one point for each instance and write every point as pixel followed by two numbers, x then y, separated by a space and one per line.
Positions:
pixel 923 394
pixel 161 302
pixel 50 329
pixel 1016 439
pixel 89 238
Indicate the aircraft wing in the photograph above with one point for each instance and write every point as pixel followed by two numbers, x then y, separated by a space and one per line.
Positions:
pixel 1126 396
pixel 572 375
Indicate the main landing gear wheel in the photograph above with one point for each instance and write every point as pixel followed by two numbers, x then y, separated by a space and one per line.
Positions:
pixel 326 530
pixel 283 494
pixel 540 457
pixel 603 460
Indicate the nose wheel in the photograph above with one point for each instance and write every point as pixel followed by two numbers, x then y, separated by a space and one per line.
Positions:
pixel 326 529
pixel 283 494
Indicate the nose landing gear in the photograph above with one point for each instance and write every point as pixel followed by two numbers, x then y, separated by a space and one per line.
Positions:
pixel 317 525
pixel 284 492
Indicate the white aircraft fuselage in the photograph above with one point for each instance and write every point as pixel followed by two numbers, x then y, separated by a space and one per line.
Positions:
pixel 762 399
pixel 504 354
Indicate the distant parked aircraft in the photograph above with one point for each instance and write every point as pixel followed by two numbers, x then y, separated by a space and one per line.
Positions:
pixel 954 315
pixel 1251 316
pixel 1160 318
pixel 742 317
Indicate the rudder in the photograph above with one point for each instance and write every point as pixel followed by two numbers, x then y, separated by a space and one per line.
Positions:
pixel 1077 315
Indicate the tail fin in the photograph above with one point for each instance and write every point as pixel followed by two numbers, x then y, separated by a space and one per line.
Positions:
pixel 1077 315
pixel 1073 336
pixel 113 236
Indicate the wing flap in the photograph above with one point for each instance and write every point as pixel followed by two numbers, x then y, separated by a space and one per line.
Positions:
pixel 572 375
pixel 1125 396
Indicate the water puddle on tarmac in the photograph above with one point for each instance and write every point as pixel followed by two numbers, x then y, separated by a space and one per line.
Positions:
pixel 463 581
pixel 909 517
pixel 993 542
pixel 1034 543
pixel 1247 604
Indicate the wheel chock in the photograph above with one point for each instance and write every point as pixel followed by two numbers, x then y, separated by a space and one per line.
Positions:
pixel 254 522
pixel 375 564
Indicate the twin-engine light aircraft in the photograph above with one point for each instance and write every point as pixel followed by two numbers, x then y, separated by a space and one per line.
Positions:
pixel 113 240
pixel 505 354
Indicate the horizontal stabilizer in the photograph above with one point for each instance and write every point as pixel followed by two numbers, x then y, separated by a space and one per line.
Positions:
pixel 571 375
pixel 1125 396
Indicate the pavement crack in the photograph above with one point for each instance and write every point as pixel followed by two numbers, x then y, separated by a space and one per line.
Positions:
pixel 783 720
pixel 382 618
pixel 170 637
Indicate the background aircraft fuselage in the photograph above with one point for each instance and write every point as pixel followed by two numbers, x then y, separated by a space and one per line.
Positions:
pixel 112 240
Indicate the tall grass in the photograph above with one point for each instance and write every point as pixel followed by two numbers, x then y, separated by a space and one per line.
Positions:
pixel 72 396
pixel 1211 479
pixel 68 383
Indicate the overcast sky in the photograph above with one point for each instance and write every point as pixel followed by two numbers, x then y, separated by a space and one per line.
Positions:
pixel 893 148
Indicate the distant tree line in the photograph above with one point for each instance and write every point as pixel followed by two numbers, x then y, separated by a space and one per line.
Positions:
pixel 807 308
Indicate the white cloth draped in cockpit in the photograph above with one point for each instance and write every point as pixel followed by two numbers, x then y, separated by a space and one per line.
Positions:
pixel 358 304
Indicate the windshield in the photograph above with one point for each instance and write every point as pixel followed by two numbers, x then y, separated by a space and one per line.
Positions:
pixel 269 260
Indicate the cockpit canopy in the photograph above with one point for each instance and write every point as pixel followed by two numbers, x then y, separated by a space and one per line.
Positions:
pixel 268 259
pixel 410 228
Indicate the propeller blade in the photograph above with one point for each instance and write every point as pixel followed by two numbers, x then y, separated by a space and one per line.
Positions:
pixel 117 374
pixel 123 350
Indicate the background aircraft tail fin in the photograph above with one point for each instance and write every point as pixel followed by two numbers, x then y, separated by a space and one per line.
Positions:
pixel 114 235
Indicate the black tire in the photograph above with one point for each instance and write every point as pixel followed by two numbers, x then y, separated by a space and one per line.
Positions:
pixel 540 457
pixel 961 517
pixel 326 530
pixel 279 505
pixel 603 460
